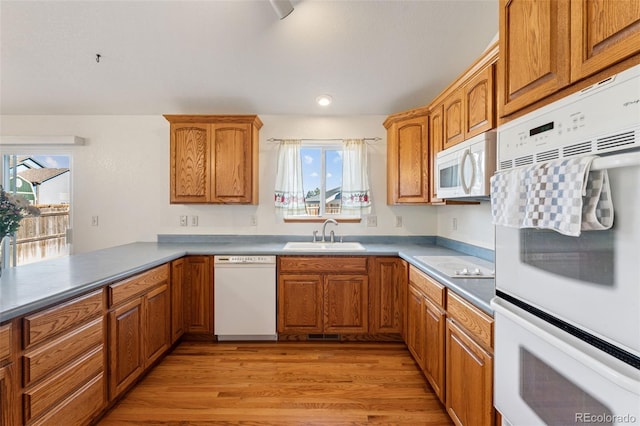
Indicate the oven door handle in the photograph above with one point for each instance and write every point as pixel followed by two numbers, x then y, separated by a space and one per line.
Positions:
pixel 616 371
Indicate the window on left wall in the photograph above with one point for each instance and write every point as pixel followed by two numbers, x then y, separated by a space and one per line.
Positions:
pixel 44 179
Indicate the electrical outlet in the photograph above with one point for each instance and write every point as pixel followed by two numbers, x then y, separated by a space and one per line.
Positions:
pixel 194 220
pixel 184 220
pixel 454 224
pixel 398 221
pixel 94 220
pixel 372 221
pixel 253 220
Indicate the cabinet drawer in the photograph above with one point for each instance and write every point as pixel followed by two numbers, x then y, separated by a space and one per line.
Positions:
pixel 123 290
pixel 46 324
pixel 430 287
pixel 47 393
pixel 479 324
pixel 78 408
pixel 341 264
pixel 45 359
pixel 5 343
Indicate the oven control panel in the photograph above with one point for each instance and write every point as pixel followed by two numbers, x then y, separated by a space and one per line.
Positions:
pixel 602 118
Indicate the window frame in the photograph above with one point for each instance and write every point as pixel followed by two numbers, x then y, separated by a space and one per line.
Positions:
pixel 324 146
pixel 10 259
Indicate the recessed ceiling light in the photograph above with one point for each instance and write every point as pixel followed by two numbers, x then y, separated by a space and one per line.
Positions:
pixel 324 100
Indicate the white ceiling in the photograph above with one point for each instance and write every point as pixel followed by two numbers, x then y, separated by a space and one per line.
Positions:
pixel 235 56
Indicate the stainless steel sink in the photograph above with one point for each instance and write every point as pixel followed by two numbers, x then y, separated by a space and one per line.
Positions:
pixel 319 246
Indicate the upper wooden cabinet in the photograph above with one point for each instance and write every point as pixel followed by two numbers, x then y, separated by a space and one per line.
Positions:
pixel 436 144
pixel 547 45
pixel 479 102
pixel 453 118
pixel 469 103
pixel 408 157
pixel 214 159
pixel 603 32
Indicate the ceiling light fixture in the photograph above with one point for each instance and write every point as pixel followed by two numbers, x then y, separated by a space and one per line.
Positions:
pixel 282 7
pixel 324 100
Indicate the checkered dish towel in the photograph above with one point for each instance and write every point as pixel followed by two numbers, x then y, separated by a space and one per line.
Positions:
pixel 562 195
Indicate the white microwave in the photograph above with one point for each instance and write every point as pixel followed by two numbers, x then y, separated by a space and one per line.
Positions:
pixel 464 170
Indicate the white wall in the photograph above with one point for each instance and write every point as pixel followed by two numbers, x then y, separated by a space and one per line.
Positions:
pixel 473 223
pixel 124 152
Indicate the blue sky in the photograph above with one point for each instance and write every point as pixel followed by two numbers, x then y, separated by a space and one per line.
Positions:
pixel 53 161
pixel 312 167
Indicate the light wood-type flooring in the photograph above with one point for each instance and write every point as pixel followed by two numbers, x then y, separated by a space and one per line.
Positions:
pixel 284 383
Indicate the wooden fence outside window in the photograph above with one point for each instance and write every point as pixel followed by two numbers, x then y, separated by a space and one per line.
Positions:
pixel 45 236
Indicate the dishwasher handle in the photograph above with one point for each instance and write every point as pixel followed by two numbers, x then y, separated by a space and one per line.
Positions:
pixel 243 259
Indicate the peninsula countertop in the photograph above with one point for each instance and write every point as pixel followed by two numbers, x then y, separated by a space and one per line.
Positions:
pixel 28 288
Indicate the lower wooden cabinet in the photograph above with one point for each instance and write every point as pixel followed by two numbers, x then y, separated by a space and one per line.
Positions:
pixel 313 298
pixel 6 375
pixel 387 295
pixel 6 395
pixel 63 363
pixel 469 386
pixel 415 327
pixel 469 363
pixel 433 323
pixel 178 271
pixel 198 296
pixel 452 342
pixel 139 327
pixel 79 407
pixel 125 346
pixel 300 303
pixel 346 303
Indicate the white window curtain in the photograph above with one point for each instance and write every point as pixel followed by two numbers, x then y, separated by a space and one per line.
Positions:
pixel 289 194
pixel 356 194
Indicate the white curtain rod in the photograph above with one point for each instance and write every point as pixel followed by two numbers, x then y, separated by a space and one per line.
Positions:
pixel 376 139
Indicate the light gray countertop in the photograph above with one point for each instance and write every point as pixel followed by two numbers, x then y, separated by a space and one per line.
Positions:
pixel 35 286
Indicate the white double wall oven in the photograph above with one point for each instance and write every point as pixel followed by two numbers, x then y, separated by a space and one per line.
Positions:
pixel 567 342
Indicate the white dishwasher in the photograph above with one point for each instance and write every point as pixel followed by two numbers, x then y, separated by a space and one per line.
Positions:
pixel 245 297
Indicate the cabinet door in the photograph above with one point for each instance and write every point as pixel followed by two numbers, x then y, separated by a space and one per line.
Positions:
pixel 415 335
pixel 479 103
pixel 387 295
pixel 436 143
pixel 469 375
pixel 534 51
pixel 157 330
pixel 603 32
pixel 126 361
pixel 190 163
pixel 300 303
pixel 453 119
pixel 199 296
pixel 6 396
pixel 407 156
pixel 177 299
pixel 346 303
pixel 232 163
pixel 434 346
